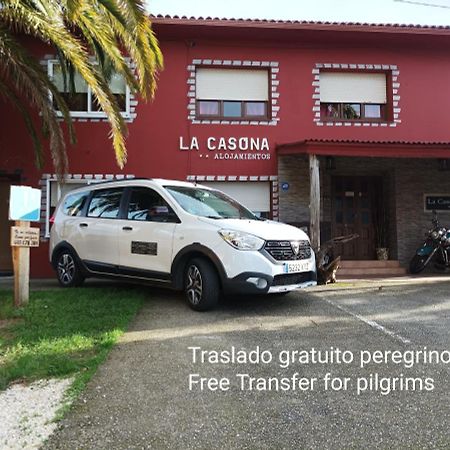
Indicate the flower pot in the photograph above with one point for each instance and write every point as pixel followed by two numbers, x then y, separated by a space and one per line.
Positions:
pixel 382 253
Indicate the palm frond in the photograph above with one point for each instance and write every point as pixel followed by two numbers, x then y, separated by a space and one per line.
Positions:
pixel 110 30
pixel 31 81
pixel 8 93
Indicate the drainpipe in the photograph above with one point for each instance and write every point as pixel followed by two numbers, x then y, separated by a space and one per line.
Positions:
pixel 314 202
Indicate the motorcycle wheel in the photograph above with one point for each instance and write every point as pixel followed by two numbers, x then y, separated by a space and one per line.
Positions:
pixel 418 263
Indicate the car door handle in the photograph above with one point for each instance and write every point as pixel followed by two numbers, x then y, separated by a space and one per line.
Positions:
pixel 127 228
pixel 83 225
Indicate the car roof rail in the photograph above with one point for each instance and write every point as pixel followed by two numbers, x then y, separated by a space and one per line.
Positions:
pixel 120 180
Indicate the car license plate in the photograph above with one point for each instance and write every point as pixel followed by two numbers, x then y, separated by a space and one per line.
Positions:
pixel 294 267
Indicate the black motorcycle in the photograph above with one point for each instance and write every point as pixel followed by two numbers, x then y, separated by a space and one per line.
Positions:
pixel 435 248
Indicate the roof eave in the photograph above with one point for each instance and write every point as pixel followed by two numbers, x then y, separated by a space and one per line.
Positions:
pixel 302 25
pixel 367 149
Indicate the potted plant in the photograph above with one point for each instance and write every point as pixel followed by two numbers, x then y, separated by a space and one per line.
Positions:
pixel 381 225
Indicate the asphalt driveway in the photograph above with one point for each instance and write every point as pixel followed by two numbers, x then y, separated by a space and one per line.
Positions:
pixel 140 398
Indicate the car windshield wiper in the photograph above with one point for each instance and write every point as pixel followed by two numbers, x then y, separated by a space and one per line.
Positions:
pixel 214 217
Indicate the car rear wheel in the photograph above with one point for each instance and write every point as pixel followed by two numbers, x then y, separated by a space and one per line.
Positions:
pixel 68 270
pixel 201 285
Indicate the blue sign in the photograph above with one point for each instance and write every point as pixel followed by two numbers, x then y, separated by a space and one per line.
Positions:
pixel 284 186
pixel 25 204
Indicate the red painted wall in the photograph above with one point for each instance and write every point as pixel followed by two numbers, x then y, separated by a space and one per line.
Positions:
pixel 153 142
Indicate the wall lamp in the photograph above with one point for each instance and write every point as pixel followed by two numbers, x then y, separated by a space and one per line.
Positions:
pixel 330 163
pixel 444 164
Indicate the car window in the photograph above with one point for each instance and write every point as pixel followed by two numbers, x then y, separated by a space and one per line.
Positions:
pixel 74 204
pixel 209 203
pixel 105 203
pixel 147 205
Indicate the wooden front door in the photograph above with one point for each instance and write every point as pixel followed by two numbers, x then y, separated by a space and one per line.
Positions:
pixel 353 204
pixel 5 224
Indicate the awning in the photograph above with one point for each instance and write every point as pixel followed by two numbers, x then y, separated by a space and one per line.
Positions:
pixel 375 149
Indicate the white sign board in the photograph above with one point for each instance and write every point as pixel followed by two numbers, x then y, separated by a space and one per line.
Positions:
pixel 24 237
pixel 25 204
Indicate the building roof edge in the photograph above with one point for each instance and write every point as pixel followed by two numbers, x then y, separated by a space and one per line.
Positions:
pixel 299 24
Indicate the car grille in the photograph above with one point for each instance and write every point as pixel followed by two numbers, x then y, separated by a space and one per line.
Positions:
pixel 282 250
pixel 293 278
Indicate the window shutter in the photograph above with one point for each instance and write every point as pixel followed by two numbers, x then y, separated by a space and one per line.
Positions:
pixel 340 87
pixel 58 80
pixel 117 84
pixel 232 84
pixel 255 195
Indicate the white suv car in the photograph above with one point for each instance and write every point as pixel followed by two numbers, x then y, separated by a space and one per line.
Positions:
pixel 177 234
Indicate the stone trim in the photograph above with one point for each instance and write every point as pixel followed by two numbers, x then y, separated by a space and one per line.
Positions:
pixel 272 66
pixel 275 201
pixel 194 178
pixel 395 73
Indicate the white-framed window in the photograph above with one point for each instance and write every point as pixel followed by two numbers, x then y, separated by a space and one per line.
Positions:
pixel 232 94
pixel 82 102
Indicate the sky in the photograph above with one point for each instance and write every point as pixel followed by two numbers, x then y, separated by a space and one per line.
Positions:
pixel 418 12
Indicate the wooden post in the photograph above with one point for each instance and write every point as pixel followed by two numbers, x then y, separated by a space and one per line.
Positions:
pixel 21 262
pixel 314 202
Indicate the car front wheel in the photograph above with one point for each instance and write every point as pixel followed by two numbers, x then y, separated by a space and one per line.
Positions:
pixel 68 270
pixel 201 285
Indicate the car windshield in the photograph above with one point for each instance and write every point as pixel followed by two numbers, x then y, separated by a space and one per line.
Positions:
pixel 209 203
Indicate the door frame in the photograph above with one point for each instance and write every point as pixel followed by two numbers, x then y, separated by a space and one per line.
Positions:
pixel 375 186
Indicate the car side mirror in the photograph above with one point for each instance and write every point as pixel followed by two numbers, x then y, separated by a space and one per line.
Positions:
pixel 161 214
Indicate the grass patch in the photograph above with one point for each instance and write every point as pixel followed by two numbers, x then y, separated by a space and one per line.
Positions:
pixel 63 332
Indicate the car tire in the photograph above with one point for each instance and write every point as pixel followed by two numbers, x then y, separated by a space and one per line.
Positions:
pixel 201 284
pixel 68 270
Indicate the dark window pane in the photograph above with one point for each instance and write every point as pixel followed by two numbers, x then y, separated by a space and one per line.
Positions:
pixel 232 109
pixel 339 185
pixel 330 110
pixel 349 202
pixel 208 108
pixel 105 203
pixel 121 100
pixel 364 186
pixel 365 202
pixel 365 217
pixel 257 109
pixel 339 217
pixel 352 111
pixel 147 205
pixel 372 111
pixel 95 105
pixel 75 102
pixel 73 204
pixel 338 202
pixel 349 217
pixel 349 185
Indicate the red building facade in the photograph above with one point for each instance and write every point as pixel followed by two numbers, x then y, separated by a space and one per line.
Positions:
pixel 247 105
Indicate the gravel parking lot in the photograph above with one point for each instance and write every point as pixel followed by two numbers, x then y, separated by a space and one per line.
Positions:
pixel 149 393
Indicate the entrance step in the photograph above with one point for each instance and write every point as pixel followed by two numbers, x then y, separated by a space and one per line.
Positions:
pixel 375 268
pixel 347 264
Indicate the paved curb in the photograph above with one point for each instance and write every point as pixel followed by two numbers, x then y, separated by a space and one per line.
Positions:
pixel 343 283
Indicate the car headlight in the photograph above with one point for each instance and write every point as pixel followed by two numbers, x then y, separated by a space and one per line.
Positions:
pixel 241 240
